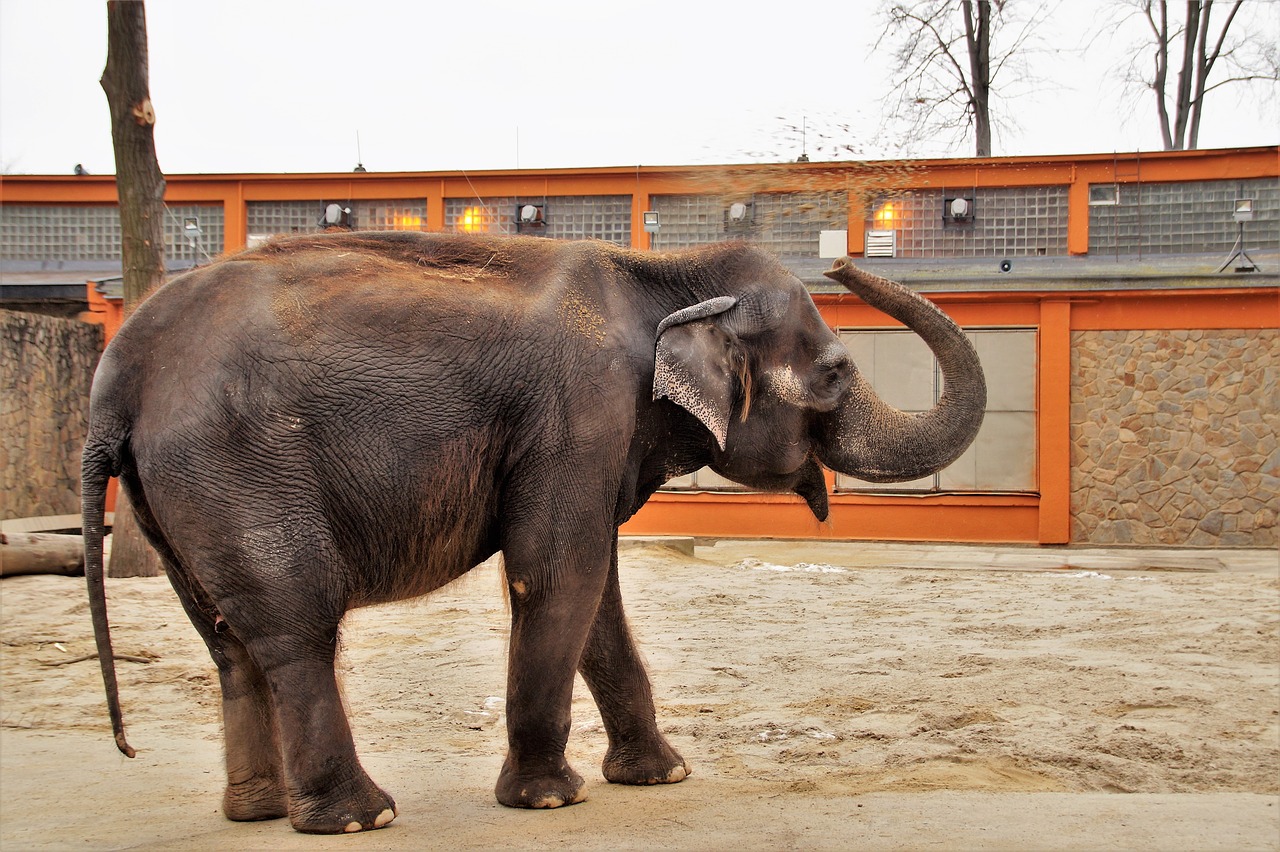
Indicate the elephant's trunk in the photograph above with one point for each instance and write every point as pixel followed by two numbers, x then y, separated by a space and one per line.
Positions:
pixel 866 438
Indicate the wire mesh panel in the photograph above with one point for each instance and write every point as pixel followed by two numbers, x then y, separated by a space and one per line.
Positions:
pixel 1185 217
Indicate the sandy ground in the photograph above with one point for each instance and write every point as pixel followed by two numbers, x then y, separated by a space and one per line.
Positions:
pixel 827 697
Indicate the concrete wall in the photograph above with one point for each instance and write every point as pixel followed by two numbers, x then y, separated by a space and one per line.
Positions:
pixel 1174 437
pixel 46 368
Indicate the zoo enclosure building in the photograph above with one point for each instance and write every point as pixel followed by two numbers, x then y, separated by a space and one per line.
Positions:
pixel 1125 308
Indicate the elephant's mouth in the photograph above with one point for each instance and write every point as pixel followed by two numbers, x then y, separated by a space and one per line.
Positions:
pixel 804 477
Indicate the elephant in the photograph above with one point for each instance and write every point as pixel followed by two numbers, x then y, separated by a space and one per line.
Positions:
pixel 331 421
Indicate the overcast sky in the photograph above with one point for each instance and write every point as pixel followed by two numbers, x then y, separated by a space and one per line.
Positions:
pixel 286 86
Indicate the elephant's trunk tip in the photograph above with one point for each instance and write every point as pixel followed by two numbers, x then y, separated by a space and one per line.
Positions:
pixel 838 266
pixel 125 749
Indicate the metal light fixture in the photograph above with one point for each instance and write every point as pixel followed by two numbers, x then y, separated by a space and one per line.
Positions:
pixel 337 216
pixel 191 230
pixel 958 210
pixel 530 217
pixel 651 223
pixel 1241 213
pixel 739 217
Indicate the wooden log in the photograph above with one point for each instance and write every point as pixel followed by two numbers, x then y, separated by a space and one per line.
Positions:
pixel 41 553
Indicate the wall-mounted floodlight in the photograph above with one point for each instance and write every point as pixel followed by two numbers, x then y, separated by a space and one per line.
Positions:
pixel 651 223
pixel 530 217
pixel 739 217
pixel 191 230
pixel 958 210
pixel 337 216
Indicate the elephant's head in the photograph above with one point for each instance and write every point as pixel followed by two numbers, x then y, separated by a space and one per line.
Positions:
pixel 780 393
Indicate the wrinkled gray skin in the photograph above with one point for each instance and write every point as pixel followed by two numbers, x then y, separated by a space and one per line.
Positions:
pixel 335 421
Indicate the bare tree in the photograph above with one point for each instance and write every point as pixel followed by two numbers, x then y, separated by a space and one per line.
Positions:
pixel 140 188
pixel 1193 49
pixel 950 60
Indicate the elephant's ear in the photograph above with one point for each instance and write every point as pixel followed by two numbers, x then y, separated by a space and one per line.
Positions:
pixel 694 364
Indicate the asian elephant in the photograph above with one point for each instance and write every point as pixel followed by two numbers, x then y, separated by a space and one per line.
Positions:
pixel 331 421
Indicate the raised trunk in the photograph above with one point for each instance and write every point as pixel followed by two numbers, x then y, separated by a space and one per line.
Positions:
pixel 876 442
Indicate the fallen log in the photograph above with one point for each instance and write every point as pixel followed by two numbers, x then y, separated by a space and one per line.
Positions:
pixel 41 553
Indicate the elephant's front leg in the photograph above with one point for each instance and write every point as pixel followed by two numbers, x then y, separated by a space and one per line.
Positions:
pixel 552 607
pixel 614 672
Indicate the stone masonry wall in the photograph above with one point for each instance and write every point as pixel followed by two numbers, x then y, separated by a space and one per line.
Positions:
pixel 1174 438
pixel 46 368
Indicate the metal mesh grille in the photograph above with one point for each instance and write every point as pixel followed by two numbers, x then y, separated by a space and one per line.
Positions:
pixel 91 232
pixel 1008 222
pixel 567 217
pixel 1172 218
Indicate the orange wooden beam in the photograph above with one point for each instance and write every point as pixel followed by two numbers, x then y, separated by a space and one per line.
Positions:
pixel 1053 422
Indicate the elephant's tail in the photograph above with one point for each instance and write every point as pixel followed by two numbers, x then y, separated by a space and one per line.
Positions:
pixel 101 461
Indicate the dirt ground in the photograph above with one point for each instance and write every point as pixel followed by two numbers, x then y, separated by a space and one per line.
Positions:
pixel 827 697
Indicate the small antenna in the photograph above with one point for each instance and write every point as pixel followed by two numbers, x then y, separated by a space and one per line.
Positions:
pixel 804 140
pixel 359 157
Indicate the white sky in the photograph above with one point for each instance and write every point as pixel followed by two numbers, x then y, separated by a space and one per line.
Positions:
pixel 285 85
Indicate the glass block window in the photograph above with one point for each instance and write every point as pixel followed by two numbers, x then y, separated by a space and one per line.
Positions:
pixel 704 479
pixel 91 232
pixel 1022 221
pixel 785 223
pixel 1188 217
pixel 565 217
pixel 270 218
pixel 688 220
pixel 788 223
pixel 905 374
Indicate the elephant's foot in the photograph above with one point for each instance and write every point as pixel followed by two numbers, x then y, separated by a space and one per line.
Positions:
pixel 658 763
pixel 359 806
pixel 255 799
pixel 528 790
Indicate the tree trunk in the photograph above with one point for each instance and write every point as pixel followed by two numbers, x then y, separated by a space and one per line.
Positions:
pixel 1191 43
pixel 978 40
pixel 140 187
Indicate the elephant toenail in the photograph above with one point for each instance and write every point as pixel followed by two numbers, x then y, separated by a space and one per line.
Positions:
pixel 352 827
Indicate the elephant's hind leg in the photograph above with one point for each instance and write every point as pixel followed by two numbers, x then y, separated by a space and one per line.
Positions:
pixel 289 747
pixel 255 772
pixel 329 791
pixel 611 666
pixel 293 641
